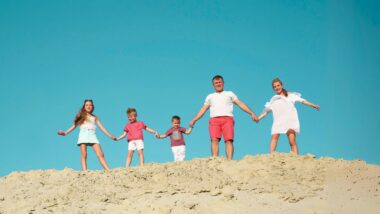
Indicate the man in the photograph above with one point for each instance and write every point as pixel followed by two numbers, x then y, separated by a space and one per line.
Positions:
pixel 221 122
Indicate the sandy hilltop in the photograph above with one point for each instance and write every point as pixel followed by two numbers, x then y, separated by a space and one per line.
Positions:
pixel 277 183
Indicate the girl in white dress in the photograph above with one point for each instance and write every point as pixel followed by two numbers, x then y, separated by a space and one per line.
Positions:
pixel 87 137
pixel 285 116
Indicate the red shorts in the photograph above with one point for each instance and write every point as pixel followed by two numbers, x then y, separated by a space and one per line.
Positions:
pixel 219 126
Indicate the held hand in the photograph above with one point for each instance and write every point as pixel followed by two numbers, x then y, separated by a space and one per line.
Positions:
pixel 156 134
pixel 255 118
pixel 192 123
pixel 113 138
pixel 317 107
pixel 60 132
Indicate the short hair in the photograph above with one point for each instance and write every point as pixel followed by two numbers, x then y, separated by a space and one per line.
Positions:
pixel 175 117
pixel 217 77
pixel 131 110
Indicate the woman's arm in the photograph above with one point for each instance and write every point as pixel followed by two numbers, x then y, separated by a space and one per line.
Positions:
pixel 60 132
pixel 263 115
pixel 311 104
pixel 104 130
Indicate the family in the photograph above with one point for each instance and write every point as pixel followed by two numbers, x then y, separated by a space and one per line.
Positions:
pixel 221 124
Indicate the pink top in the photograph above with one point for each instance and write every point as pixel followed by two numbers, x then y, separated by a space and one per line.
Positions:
pixel 134 130
pixel 176 136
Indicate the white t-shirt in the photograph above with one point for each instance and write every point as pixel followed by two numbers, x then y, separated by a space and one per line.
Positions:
pixel 285 114
pixel 221 104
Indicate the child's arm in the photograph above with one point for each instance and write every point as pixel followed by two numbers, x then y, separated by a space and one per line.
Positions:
pixel 159 136
pixel 245 108
pixel 60 132
pixel 104 130
pixel 188 131
pixel 151 131
pixel 310 104
pixel 263 115
pixel 122 136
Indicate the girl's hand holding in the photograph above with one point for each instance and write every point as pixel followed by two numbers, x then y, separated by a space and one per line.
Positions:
pixel 255 118
pixel 60 132
pixel 317 107
pixel 113 137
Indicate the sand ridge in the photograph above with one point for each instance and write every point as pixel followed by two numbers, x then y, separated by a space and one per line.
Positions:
pixel 277 182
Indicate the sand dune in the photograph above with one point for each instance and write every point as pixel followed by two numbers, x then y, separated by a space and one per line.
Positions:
pixel 256 184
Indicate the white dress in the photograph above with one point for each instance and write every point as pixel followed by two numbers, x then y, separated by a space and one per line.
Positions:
pixel 285 114
pixel 87 132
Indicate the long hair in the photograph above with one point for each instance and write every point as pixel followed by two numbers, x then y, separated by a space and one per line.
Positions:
pixel 82 114
pixel 279 81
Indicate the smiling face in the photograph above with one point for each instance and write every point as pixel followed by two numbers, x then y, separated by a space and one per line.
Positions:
pixel 132 117
pixel 277 87
pixel 176 123
pixel 218 84
pixel 89 106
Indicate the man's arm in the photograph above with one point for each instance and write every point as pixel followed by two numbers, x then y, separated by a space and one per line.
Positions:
pixel 245 108
pixel 200 114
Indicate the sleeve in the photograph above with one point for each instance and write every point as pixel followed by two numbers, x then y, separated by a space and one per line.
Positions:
pixel 126 128
pixel 268 107
pixel 296 97
pixel 208 100
pixel 233 96
pixel 169 132
pixel 143 125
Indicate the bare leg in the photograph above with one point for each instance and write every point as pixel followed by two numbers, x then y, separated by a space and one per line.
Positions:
pixel 141 155
pixel 99 153
pixel 273 142
pixel 292 141
pixel 129 158
pixel 215 147
pixel 83 158
pixel 229 149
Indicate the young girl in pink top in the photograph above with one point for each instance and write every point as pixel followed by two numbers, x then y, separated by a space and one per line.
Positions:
pixel 285 116
pixel 87 123
pixel 135 136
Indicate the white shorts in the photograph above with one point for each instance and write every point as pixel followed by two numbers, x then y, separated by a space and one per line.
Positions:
pixel 179 153
pixel 135 144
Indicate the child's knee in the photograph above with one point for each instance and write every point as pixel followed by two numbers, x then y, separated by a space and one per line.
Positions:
pixel 275 137
pixel 84 155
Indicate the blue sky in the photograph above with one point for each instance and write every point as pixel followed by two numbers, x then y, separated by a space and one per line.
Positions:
pixel 160 56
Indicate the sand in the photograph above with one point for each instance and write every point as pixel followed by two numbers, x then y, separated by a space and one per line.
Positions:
pixel 276 183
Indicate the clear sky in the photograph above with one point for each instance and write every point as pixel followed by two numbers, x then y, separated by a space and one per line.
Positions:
pixel 160 56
